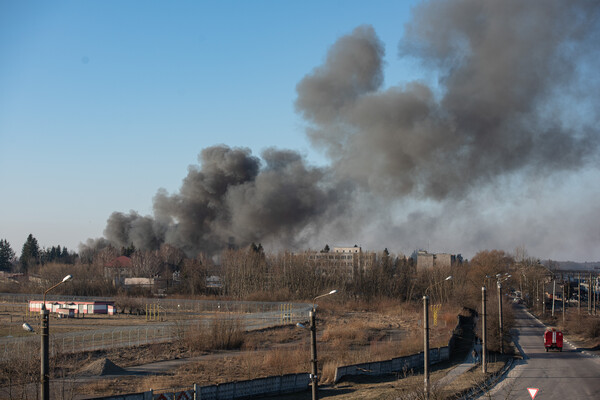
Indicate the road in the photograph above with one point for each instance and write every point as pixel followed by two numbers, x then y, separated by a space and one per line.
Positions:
pixel 570 374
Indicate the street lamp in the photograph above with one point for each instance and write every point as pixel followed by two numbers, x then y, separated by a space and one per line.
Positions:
pixel 45 378
pixel 313 345
pixel 499 281
pixel 334 291
pixel 483 331
pixel 426 336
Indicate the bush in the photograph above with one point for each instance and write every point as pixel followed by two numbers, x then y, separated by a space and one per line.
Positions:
pixel 587 326
pixel 218 334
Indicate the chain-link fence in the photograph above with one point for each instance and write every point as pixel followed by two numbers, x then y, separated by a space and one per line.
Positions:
pixel 183 315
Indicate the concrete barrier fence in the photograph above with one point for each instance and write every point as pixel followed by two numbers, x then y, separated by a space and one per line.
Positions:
pixel 394 365
pixel 270 386
pixel 290 383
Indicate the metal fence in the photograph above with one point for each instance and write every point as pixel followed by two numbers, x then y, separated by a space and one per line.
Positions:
pixel 184 316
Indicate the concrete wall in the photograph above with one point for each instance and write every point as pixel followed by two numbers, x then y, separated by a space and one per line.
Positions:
pixel 270 386
pixel 291 383
pixel 131 396
pixel 394 365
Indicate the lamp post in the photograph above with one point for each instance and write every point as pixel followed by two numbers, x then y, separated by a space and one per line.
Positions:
pixel 500 311
pixel 563 304
pixel 499 282
pixel 313 346
pixel 44 374
pixel 484 331
pixel 553 294
pixel 426 345
pixel 578 294
pixel 426 337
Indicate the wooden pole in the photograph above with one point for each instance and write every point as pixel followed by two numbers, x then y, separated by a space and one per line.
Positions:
pixel 484 331
pixel 426 345
pixel 578 293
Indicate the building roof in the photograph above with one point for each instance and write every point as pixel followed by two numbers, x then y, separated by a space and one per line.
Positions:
pixel 120 262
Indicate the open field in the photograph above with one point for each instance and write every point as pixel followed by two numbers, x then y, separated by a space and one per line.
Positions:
pixel 345 335
pixel 12 317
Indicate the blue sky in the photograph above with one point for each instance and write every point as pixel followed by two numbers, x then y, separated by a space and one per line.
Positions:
pixel 104 102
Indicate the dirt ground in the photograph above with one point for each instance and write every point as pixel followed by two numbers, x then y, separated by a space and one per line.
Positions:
pixel 12 317
pixel 344 337
pixel 403 386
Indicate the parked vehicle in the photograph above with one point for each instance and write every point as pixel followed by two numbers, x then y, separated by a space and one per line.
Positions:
pixel 553 339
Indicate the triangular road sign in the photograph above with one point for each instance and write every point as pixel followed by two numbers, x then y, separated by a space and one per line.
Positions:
pixel 532 392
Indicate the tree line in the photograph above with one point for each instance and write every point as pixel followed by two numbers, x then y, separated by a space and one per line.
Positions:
pixel 32 255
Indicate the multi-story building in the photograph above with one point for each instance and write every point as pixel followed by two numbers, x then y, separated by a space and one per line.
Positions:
pixel 427 260
pixel 346 261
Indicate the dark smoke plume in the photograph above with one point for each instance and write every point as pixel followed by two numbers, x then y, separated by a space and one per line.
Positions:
pixel 230 196
pixel 502 111
pixel 502 65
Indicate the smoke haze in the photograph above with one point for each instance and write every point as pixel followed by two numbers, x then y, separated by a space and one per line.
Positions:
pixel 416 161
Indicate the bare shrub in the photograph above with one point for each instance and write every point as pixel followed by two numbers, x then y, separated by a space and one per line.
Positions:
pixel 277 361
pixel 587 326
pixel 328 374
pixel 218 334
pixel 252 364
pixel 343 336
pixel 282 294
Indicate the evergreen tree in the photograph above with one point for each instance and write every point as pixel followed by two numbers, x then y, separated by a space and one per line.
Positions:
pixel 128 251
pixel 7 255
pixel 30 252
pixel 65 257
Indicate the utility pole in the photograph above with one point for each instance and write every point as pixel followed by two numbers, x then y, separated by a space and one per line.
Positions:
pixel 484 332
pixel 500 312
pixel 594 291
pixel 553 294
pixel 313 356
pixel 44 365
pixel 426 345
pixel 544 298
pixel 537 295
pixel 578 294
pixel 563 305
pixel 589 305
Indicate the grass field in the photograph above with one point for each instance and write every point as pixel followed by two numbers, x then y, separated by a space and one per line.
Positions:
pixel 346 335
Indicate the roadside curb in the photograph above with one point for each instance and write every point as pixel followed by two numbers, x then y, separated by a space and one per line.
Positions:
pixel 490 383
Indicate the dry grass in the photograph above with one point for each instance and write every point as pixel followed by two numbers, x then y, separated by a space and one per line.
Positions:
pixel 586 326
pixel 218 334
pixel 403 386
pixel 344 337
pixel 346 334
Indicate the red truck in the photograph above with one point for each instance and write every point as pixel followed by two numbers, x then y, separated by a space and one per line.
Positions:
pixel 553 339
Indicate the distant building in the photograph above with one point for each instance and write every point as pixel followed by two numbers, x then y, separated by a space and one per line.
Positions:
pixel 427 260
pixel 345 261
pixel 118 270
pixel 139 282
pixel 73 308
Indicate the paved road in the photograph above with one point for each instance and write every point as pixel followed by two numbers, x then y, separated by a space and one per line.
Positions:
pixel 569 374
